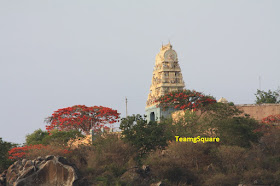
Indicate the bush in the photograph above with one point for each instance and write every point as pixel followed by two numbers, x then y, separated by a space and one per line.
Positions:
pixel 54 137
pixel 270 142
pixel 259 177
pixel 142 135
pixel 106 160
pixel 239 131
pixel 5 162
pixel 230 159
pixel 36 137
pixel 33 151
pixel 221 179
pixel 180 162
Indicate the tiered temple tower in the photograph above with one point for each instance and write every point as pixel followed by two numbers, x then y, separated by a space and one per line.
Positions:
pixel 167 77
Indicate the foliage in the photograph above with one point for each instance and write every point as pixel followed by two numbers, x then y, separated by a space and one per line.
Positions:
pixel 272 119
pixel 142 135
pixel 214 164
pixel 81 117
pixel 105 161
pixel 261 177
pixel 185 99
pixel 238 131
pixel 267 97
pixel 229 159
pixel 32 151
pixel 4 148
pixel 186 124
pixel 220 111
pixel 222 120
pixel 54 137
pixel 180 162
pixel 37 137
pixel 61 137
pixel 221 179
pixel 192 124
pixel 270 142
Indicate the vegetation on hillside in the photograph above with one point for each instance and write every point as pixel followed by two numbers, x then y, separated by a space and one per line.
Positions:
pixel 248 151
pixel 5 162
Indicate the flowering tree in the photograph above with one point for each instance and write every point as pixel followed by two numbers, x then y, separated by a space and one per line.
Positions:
pixel 81 117
pixel 35 150
pixel 185 99
pixel 269 124
pixel 272 119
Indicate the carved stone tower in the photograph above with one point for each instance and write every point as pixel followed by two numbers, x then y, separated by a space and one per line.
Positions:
pixel 167 77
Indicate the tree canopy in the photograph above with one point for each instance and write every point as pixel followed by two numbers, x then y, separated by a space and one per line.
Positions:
pixel 43 137
pixel 81 117
pixel 185 99
pixel 4 148
pixel 142 135
pixel 267 97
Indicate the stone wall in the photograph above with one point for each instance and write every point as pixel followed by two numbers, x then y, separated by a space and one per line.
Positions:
pixel 256 111
pixel 260 111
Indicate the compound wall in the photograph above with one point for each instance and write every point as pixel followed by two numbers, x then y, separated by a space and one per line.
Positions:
pixel 260 111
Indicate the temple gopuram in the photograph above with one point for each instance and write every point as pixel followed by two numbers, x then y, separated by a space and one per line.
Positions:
pixel 167 77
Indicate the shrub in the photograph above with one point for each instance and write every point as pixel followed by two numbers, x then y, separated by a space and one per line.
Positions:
pixel 180 162
pixel 104 161
pixel 259 177
pixel 221 179
pixel 5 162
pixel 142 135
pixel 33 151
pixel 54 137
pixel 270 142
pixel 239 131
pixel 230 159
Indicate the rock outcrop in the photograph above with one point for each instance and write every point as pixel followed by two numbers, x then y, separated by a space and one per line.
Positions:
pixel 47 171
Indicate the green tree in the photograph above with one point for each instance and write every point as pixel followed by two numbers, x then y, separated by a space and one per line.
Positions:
pixel 55 137
pixel 222 110
pixel 267 97
pixel 238 131
pixel 36 137
pixel 219 119
pixel 61 137
pixel 197 123
pixel 187 124
pixel 142 135
pixel 4 148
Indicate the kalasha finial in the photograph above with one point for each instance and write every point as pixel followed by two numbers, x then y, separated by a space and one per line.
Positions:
pixel 169 43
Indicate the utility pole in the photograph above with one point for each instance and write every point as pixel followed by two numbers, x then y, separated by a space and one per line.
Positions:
pixel 260 83
pixel 126 106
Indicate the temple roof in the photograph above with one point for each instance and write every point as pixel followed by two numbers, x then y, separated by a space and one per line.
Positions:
pixel 222 100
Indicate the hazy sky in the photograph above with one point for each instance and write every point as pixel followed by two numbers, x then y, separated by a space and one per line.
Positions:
pixel 60 53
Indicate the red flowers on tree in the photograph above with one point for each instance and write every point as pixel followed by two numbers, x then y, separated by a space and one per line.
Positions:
pixel 269 124
pixel 81 117
pixel 272 119
pixel 185 99
pixel 22 152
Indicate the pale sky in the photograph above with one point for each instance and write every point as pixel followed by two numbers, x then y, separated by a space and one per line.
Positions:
pixel 60 53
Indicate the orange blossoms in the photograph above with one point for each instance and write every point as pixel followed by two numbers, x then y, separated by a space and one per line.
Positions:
pixel 81 117
pixel 185 99
pixel 272 119
pixel 21 152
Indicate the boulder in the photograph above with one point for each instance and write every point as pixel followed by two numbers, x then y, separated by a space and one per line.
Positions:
pixel 50 170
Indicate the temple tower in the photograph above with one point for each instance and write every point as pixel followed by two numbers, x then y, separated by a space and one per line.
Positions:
pixel 167 77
